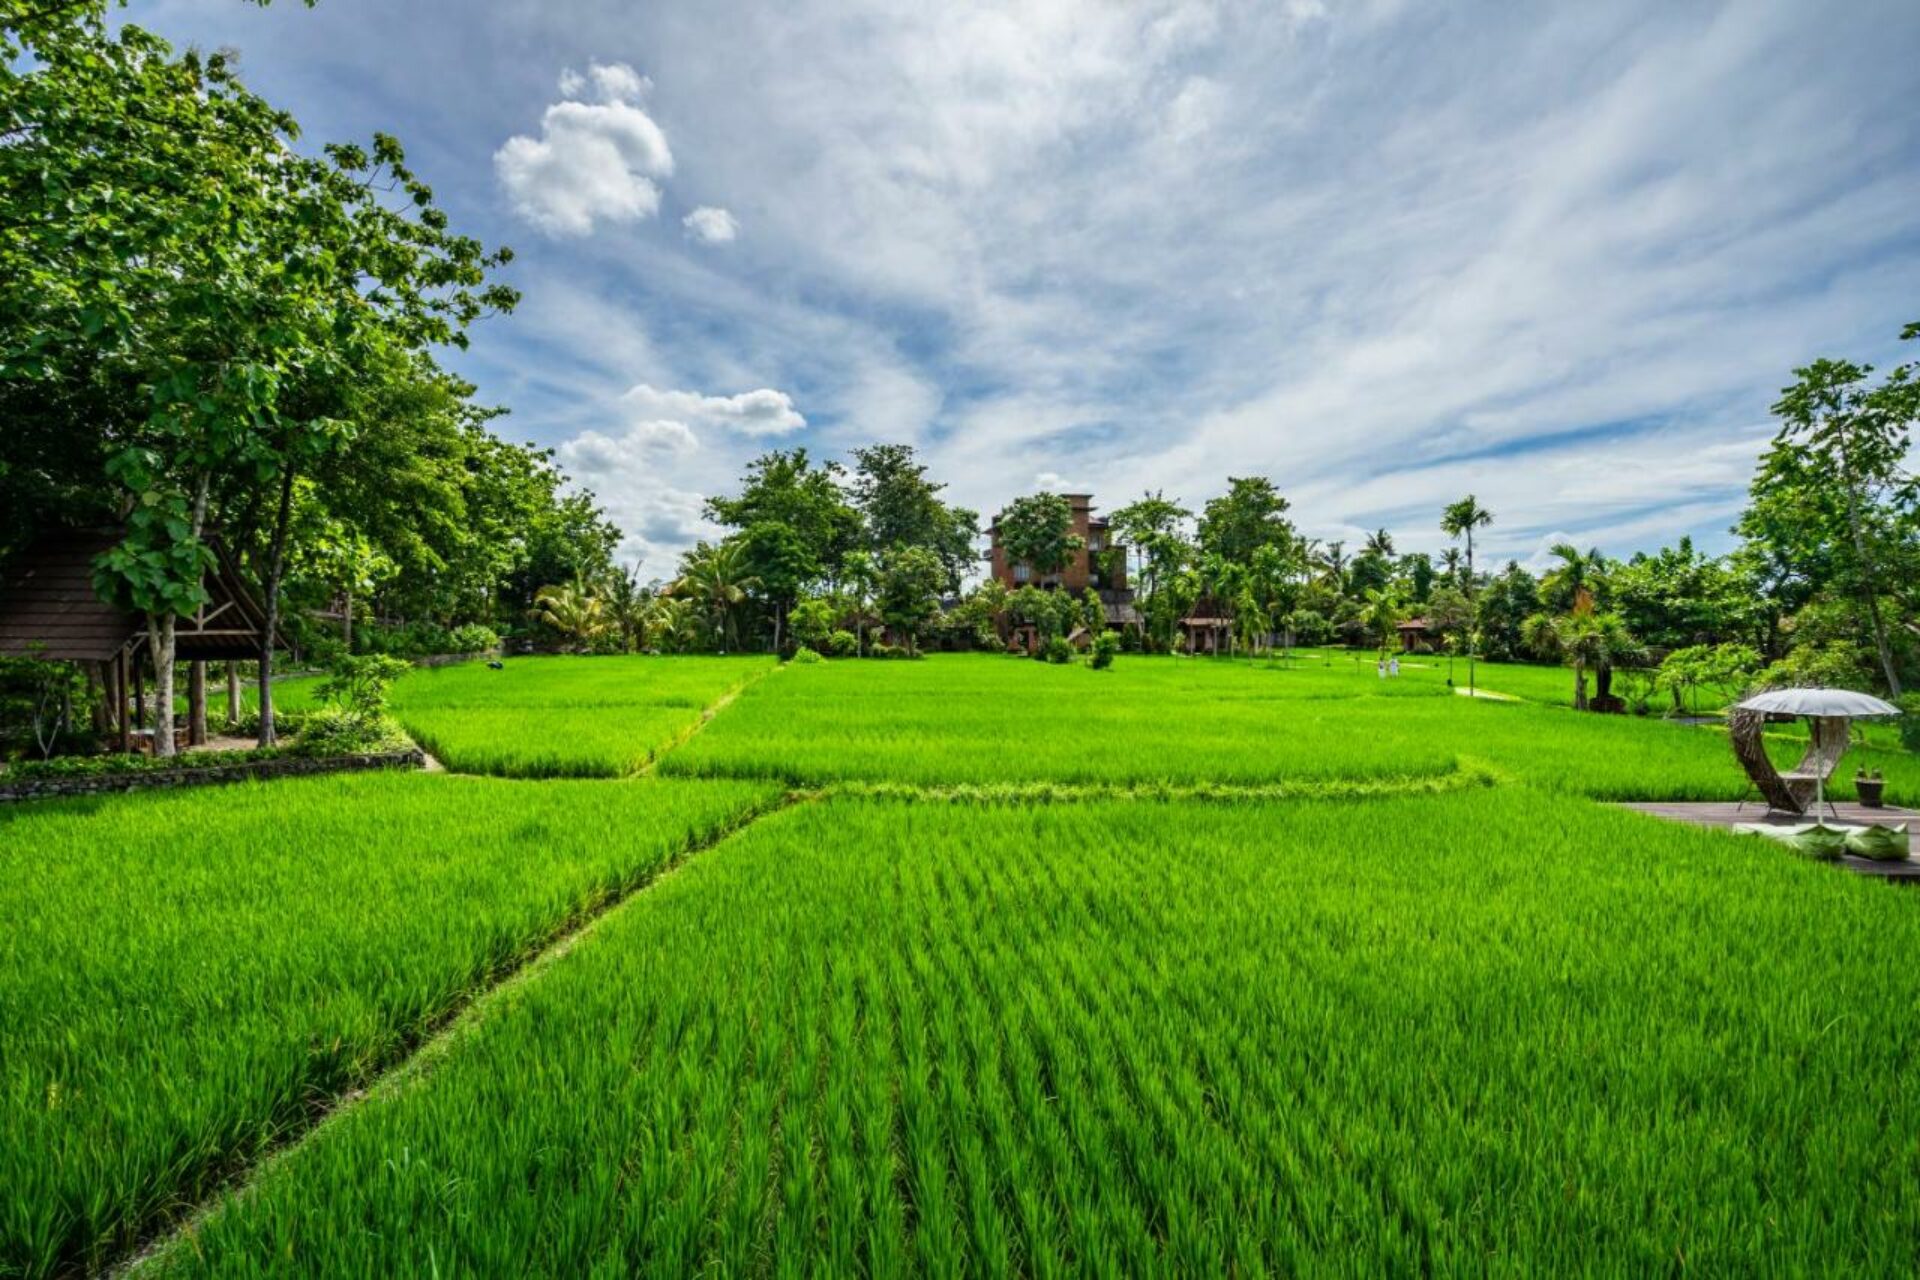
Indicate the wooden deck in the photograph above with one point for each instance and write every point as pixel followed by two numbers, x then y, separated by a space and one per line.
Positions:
pixel 1842 813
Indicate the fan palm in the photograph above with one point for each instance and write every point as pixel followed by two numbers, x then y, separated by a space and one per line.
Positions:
pixel 1585 639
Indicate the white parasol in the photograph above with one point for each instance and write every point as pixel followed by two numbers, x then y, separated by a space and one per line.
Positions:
pixel 1823 703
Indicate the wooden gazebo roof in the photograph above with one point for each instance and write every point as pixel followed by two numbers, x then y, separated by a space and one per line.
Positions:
pixel 49 609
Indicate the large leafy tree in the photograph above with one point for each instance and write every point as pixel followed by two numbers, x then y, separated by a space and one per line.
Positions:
pixel 1037 530
pixel 166 241
pixel 909 591
pixel 1250 515
pixel 1679 597
pixel 1834 494
pixel 1155 528
pixel 786 489
pixel 903 508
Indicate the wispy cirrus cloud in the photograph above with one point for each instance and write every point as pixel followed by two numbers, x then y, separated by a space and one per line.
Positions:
pixel 1384 253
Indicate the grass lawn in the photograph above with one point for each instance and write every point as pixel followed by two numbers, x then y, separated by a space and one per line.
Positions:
pixel 1490 1029
pixel 184 976
pixel 984 999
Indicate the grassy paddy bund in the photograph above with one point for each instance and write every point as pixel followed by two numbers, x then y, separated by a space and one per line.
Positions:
pixel 965 965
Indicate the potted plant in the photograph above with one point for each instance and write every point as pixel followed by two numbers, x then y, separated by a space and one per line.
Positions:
pixel 1868 785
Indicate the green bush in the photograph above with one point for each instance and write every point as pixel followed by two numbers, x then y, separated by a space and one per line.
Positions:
pixel 1058 651
pixel 339 731
pixel 1910 722
pixel 1105 645
pixel 103 765
pixel 804 656
pixel 473 637
pixel 843 644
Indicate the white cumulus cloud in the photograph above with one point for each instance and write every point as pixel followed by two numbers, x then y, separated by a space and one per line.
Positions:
pixel 764 412
pixel 711 225
pixel 597 158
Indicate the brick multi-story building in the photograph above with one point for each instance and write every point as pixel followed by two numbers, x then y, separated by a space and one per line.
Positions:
pixel 1100 563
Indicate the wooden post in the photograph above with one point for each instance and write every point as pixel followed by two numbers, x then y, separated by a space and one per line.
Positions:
pixel 120 702
pixel 233 695
pixel 197 703
pixel 139 695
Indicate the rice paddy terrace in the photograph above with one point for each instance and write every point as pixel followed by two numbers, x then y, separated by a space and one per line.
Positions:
pixel 968 965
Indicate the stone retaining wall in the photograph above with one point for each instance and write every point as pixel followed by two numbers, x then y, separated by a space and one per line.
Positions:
pixel 211 775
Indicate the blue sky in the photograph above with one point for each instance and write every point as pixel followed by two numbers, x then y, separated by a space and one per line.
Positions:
pixel 1383 252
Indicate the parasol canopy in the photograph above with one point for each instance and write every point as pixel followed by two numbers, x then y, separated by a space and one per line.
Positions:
pixel 1819 702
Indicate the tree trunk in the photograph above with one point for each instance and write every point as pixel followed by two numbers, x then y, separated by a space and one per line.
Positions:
pixel 233 695
pixel 1603 681
pixel 160 629
pixel 197 703
pixel 1868 594
pixel 276 566
pixel 1579 686
pixel 346 620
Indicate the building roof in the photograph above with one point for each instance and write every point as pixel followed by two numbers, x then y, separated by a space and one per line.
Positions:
pixel 49 609
pixel 1414 624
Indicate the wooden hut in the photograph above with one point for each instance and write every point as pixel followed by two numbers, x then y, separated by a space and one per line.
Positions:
pixel 50 610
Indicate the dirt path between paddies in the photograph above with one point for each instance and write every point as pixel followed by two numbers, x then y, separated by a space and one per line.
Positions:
pixel 707 714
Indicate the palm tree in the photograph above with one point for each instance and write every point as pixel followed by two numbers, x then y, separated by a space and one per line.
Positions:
pixel 1383 615
pixel 1461 519
pixel 1585 639
pixel 627 603
pixel 1332 561
pixel 1224 582
pixel 1380 543
pixel 574 613
pixel 714 577
pixel 667 623
pixel 1579 575
pixel 1451 563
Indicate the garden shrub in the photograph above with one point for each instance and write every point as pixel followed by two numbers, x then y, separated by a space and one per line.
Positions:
pixel 1059 651
pixel 804 656
pixel 1910 722
pixel 1105 645
pixel 843 644
pixel 473 637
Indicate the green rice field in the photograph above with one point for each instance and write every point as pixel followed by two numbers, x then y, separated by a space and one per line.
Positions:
pixel 563 717
pixel 184 978
pixel 966 965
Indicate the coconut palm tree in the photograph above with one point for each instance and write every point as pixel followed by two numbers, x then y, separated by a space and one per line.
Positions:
pixel 1578 575
pixel 714 578
pixel 1332 562
pixel 1460 519
pixel 574 612
pixel 667 624
pixel 1380 543
pixel 1451 565
pixel 1383 615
